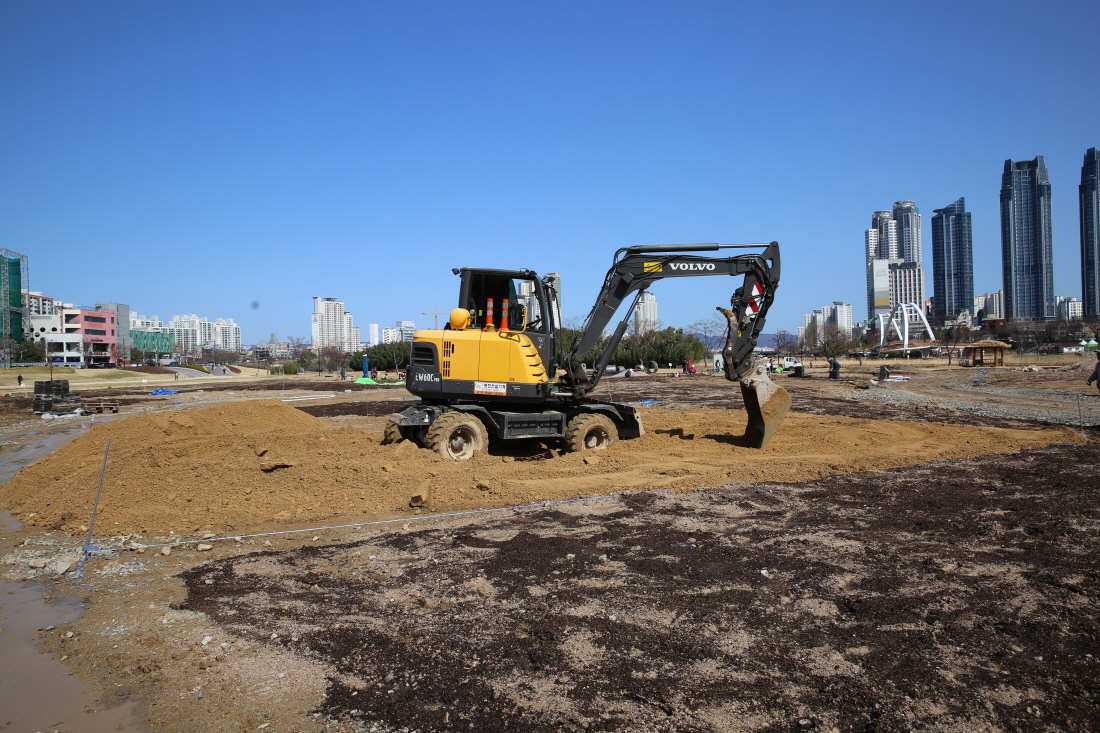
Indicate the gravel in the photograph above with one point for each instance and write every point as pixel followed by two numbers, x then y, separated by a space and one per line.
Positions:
pixel 1089 415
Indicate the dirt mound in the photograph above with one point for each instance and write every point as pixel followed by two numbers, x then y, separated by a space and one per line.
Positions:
pixel 244 464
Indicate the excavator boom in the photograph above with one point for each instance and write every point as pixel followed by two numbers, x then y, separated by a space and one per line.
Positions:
pixel 634 269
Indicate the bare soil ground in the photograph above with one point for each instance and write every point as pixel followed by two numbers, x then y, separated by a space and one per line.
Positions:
pixel 955 591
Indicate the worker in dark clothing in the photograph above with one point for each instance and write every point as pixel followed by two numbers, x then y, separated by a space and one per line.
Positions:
pixel 1095 376
pixel 834 368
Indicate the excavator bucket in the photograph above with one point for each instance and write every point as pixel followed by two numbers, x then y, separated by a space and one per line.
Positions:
pixel 767 404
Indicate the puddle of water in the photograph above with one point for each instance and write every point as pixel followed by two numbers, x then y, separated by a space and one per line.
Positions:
pixel 34 450
pixel 37 692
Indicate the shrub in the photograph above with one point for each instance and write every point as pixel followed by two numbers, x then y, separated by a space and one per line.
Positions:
pixel 290 367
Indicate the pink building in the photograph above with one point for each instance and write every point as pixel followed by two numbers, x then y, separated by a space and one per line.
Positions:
pixel 97 331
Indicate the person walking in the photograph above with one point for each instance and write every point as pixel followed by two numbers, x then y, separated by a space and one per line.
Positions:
pixel 1095 376
pixel 19 378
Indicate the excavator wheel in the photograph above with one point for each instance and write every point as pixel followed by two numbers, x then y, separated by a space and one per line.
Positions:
pixel 589 432
pixel 456 435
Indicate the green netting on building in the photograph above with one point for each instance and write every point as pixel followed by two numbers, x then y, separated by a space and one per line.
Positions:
pixel 12 298
pixel 152 342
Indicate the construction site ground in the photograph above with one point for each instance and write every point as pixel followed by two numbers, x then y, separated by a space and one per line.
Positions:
pixel 910 555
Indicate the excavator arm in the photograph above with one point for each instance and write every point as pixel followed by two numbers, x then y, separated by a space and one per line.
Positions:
pixel 634 269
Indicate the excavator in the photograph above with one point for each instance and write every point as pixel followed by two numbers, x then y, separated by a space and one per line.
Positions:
pixel 507 378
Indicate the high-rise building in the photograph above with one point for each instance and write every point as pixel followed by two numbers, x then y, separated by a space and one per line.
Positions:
pixel 826 323
pixel 553 279
pixel 645 313
pixel 333 326
pixel 990 305
pixel 895 273
pixel 406 330
pixel 525 293
pixel 1068 309
pixel 952 262
pixel 226 335
pixel 374 338
pixel 841 315
pixel 14 277
pixel 1027 259
pixel 390 335
pixel 1090 233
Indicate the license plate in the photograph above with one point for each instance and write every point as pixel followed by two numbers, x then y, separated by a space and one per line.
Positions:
pixel 498 388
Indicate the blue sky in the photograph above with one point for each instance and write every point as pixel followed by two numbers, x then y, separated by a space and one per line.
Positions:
pixel 236 159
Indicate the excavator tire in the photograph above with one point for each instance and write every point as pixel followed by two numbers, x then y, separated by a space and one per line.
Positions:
pixel 589 432
pixel 392 434
pixel 456 435
pixel 397 433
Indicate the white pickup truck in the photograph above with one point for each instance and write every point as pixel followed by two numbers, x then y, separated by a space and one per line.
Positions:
pixel 788 362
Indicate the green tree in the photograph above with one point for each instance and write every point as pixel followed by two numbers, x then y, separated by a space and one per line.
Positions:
pixel 29 351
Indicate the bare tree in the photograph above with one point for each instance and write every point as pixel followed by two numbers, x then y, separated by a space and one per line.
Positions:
pixel 785 342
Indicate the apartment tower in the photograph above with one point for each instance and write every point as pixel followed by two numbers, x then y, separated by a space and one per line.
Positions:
pixel 895 273
pixel 1027 259
pixel 1090 233
pixel 952 262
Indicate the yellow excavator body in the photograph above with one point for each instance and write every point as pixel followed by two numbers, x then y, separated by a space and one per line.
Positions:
pixel 473 355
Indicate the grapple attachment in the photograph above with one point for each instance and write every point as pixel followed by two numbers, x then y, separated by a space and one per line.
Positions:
pixel 767 404
pixel 765 401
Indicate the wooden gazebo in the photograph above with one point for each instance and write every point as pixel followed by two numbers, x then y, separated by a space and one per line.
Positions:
pixel 984 353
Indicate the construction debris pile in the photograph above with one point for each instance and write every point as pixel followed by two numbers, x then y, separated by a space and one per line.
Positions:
pixel 251 464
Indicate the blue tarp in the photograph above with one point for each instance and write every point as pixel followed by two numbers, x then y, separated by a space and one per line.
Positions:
pixel 163 391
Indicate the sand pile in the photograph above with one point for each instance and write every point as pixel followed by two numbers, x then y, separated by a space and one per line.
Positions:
pixel 242 465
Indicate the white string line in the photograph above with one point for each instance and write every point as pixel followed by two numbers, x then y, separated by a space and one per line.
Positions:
pixel 92 551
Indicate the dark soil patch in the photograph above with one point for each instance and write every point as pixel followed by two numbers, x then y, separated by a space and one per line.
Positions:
pixel 311 385
pixel 958 595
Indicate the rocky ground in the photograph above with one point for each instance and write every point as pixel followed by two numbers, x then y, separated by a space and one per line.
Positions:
pixel 954 595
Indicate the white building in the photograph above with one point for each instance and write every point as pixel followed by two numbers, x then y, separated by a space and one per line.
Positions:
pixel 37 304
pixel 991 303
pixel 1069 309
pixel 390 335
pixel 838 314
pixel 333 326
pixel 407 329
pixel 374 337
pixel 227 335
pixel 139 322
pixel 525 292
pixel 645 313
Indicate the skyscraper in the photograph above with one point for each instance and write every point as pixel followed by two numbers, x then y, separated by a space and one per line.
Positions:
pixel 1027 260
pixel 952 262
pixel 1090 233
pixel 895 273
pixel 645 313
pixel 881 242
